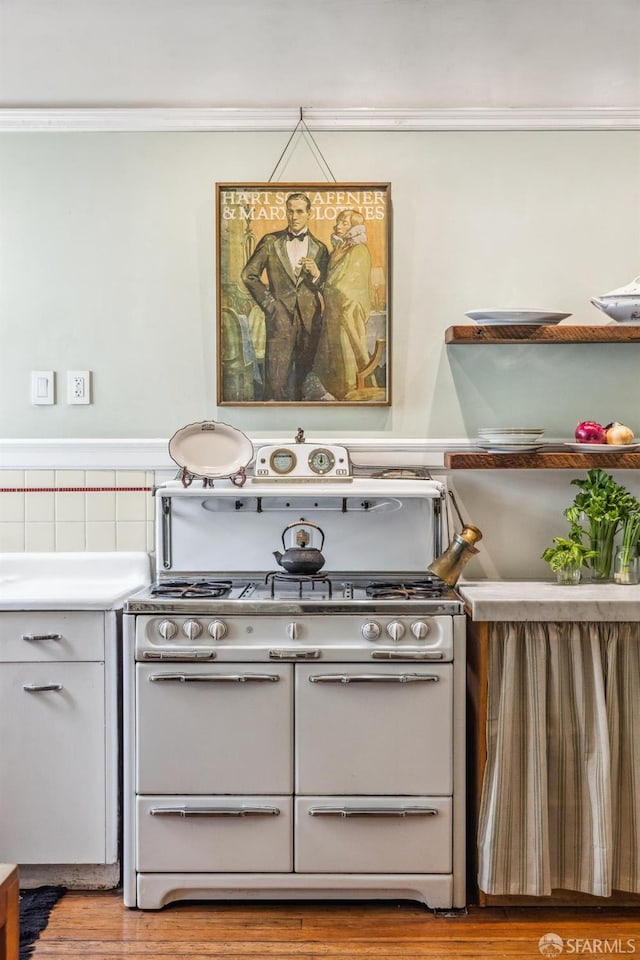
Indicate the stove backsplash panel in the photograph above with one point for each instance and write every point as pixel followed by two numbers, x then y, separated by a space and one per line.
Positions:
pixel 76 510
pixel 234 535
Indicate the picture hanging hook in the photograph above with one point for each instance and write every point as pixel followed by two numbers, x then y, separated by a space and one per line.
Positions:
pixel 313 146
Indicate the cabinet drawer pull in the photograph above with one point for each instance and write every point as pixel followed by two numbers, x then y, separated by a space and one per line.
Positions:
pixel 41 687
pixel 215 678
pixel 374 678
pixel 31 637
pixel 372 812
pixel 214 812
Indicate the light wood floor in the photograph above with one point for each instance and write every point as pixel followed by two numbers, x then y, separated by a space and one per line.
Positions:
pixel 96 926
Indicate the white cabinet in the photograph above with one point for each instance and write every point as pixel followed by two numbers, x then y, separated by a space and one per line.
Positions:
pixel 58 737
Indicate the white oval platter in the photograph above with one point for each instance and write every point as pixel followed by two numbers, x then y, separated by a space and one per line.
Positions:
pixel 210 449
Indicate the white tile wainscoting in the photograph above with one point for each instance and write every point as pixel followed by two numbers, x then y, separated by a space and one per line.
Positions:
pixel 76 510
pixel 76 494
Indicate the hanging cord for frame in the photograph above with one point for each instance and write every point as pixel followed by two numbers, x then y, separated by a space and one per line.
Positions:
pixel 302 128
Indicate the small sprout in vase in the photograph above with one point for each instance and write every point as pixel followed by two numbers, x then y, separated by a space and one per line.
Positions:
pixel 569 555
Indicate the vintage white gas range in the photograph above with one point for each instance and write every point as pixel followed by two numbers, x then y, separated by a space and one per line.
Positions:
pixel 295 735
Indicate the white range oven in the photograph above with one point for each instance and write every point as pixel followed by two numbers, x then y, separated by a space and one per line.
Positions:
pixel 295 735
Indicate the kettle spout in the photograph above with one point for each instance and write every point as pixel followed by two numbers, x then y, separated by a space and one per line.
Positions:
pixel 278 556
pixel 600 304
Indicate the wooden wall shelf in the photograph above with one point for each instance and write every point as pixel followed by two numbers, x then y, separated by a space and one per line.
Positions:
pixel 549 333
pixel 540 460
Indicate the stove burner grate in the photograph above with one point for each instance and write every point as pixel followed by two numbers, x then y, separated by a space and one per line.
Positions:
pixel 191 589
pixel 408 589
pixel 301 579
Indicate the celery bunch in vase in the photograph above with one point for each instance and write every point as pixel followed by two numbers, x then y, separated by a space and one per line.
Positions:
pixel 627 562
pixel 605 507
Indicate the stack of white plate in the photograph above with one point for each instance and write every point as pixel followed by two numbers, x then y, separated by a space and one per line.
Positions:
pixel 510 439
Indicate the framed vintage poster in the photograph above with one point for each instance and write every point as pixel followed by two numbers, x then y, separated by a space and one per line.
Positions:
pixel 303 293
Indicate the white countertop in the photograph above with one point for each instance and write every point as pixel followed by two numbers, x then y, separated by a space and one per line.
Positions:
pixel 512 600
pixel 70 581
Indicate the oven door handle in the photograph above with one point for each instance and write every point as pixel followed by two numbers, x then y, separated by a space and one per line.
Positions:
pixel 372 812
pixel 214 811
pixel 281 654
pixel 215 678
pixel 374 678
pixel 176 653
pixel 407 655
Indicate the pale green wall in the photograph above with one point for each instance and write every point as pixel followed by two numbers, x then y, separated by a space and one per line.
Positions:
pixel 107 263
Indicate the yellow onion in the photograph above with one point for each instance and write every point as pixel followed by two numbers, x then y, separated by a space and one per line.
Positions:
pixel 618 433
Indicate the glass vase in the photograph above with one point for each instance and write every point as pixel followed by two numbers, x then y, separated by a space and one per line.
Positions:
pixel 568 576
pixel 626 567
pixel 601 539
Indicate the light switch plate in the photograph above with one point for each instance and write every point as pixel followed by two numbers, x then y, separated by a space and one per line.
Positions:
pixel 42 386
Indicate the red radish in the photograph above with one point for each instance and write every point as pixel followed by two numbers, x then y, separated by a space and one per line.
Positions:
pixel 590 432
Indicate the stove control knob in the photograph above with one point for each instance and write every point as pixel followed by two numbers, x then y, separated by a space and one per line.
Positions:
pixel 292 630
pixel 395 629
pixel 419 629
pixel 167 629
pixel 218 629
pixel 192 629
pixel 370 630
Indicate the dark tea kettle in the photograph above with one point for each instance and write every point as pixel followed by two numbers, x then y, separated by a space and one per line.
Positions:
pixel 301 558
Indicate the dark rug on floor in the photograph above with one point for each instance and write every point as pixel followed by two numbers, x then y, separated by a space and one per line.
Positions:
pixel 35 907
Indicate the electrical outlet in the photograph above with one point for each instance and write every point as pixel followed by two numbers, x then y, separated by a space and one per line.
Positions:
pixel 78 386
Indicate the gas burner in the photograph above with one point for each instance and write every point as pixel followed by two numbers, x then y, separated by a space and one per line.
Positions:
pixel 191 589
pixel 301 579
pixel 407 589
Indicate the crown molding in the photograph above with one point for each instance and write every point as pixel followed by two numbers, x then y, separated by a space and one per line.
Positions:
pixel 229 119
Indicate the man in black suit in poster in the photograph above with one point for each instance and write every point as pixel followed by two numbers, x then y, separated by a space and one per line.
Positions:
pixel 295 263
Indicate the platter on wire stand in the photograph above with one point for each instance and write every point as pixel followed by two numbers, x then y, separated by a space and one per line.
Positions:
pixel 211 450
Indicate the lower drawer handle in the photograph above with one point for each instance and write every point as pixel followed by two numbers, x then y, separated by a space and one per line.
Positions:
pixel 41 636
pixel 374 678
pixel 214 812
pixel 372 812
pixel 215 678
pixel 41 687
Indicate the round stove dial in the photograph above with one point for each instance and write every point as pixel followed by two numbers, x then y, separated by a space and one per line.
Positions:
pixel 371 630
pixel 218 629
pixel 419 629
pixel 167 629
pixel 395 629
pixel 192 629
